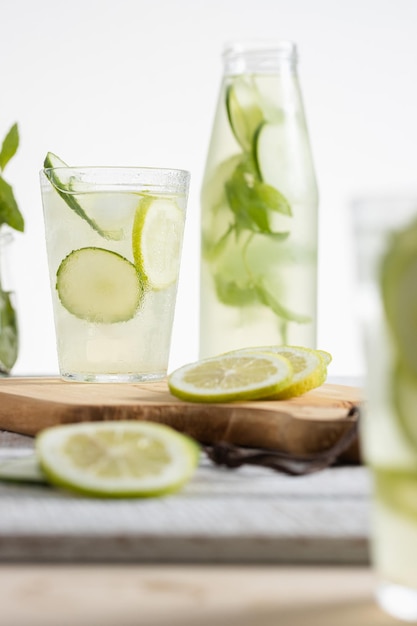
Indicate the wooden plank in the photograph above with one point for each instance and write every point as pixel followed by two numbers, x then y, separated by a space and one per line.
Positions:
pixel 307 424
pixel 48 595
pixel 249 515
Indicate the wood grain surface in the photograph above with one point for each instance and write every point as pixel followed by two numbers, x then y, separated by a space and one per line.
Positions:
pixel 304 425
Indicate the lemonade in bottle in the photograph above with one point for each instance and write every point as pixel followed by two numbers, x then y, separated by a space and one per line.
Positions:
pixel 259 208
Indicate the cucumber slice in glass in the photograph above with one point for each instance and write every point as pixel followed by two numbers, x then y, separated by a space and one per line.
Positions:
pixel 99 286
pixel 50 164
pixel 243 110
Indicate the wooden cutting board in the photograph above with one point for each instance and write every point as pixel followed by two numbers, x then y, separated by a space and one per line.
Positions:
pixel 304 425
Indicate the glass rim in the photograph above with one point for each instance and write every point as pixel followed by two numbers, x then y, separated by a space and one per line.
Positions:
pixel 284 48
pixel 81 179
pixel 133 168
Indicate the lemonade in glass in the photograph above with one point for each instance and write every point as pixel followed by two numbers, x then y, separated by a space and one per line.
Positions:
pixel 114 238
pixel 386 239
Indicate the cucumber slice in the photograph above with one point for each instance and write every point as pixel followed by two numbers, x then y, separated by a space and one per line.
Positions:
pixel 243 110
pixel 22 470
pixel 271 158
pixel 157 241
pixel 99 286
pixel 51 162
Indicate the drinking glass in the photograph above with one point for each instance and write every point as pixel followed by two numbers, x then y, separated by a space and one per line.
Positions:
pixel 385 232
pixel 114 238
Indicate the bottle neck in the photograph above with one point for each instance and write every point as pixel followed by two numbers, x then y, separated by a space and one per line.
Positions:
pixel 259 57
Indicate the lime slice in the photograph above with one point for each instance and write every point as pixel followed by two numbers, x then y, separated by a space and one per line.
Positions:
pixel 99 286
pixel 309 368
pixel 229 377
pixel 326 356
pixel 117 459
pixel 243 110
pixel 157 241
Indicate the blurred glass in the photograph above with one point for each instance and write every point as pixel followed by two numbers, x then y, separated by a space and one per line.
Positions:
pixel 385 241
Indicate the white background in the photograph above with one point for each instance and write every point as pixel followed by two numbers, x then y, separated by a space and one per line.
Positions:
pixel 135 82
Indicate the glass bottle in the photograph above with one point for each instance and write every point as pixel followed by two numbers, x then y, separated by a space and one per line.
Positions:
pixel 259 202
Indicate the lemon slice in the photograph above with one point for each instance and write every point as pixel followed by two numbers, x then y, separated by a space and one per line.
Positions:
pixel 117 459
pixel 229 377
pixel 309 367
pixel 157 241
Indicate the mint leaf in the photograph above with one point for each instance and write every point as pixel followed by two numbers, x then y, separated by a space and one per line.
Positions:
pixel 9 211
pixel 8 333
pixel 9 146
pixel 251 200
pixel 231 293
pixel 270 301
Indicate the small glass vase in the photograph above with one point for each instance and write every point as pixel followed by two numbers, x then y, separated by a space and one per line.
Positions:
pixel 9 337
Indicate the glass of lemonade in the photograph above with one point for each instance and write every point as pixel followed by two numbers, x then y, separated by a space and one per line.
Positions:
pixel 386 244
pixel 114 238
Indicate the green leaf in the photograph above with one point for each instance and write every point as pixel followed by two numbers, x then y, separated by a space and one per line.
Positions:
pixel 274 199
pixel 251 200
pixel 231 293
pixel 9 146
pixel 270 301
pixel 8 333
pixel 9 211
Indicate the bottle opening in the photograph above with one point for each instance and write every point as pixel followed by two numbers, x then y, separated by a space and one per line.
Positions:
pixel 259 56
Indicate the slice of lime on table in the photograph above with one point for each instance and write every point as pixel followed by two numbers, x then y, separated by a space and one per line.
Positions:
pixel 229 377
pixel 99 285
pixel 309 367
pixel 117 458
pixel 157 240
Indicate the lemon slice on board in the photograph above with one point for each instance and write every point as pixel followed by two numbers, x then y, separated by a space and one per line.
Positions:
pixel 228 377
pixel 157 241
pixel 117 458
pixel 309 367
